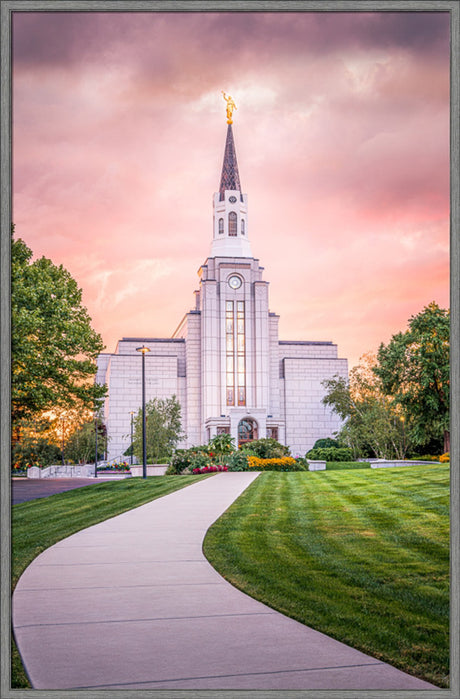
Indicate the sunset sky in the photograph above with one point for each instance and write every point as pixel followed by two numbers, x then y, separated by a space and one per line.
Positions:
pixel 342 139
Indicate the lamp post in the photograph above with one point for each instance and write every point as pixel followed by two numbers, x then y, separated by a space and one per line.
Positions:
pixel 62 445
pixel 143 350
pixel 131 452
pixel 95 457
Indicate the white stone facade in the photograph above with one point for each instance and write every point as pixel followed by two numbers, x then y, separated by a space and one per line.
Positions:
pixel 225 362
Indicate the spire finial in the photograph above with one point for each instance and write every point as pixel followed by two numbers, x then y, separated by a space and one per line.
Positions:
pixel 230 107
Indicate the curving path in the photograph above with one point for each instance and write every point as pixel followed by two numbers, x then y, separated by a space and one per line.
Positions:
pixel 131 603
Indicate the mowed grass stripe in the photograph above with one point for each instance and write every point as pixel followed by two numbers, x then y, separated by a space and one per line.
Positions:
pixel 362 556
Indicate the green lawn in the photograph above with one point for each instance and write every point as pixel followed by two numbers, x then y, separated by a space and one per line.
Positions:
pixel 362 556
pixel 38 524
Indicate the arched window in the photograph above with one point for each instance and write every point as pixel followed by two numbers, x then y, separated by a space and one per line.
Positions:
pixel 242 226
pixel 221 225
pixel 232 223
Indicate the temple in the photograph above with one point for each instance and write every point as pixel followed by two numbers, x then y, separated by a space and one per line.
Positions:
pixel 225 362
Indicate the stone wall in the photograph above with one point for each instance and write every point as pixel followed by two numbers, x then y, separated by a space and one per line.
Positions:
pixel 307 418
pixel 61 471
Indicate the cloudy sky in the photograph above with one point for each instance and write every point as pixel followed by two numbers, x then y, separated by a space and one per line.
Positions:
pixel 342 138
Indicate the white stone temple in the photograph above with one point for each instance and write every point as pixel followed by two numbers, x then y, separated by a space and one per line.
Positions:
pixel 225 362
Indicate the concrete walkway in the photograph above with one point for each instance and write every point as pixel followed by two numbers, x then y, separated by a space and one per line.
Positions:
pixel 132 603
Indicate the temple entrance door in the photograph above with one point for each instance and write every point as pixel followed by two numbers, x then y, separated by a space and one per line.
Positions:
pixel 247 431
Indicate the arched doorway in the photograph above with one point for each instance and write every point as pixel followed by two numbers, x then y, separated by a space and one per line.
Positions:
pixel 247 430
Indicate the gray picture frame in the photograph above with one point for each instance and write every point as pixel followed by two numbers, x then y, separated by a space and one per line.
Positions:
pixel 10 6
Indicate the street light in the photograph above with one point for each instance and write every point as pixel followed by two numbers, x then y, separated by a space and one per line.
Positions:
pixel 131 451
pixel 143 350
pixel 63 437
pixel 95 458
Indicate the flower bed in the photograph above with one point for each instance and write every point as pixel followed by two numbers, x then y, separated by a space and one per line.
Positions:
pixel 116 466
pixel 286 463
pixel 210 469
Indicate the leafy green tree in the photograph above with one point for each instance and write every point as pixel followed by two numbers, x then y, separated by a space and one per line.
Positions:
pixel 374 423
pixel 53 348
pixel 36 445
pixel 414 370
pixel 163 429
pixel 81 446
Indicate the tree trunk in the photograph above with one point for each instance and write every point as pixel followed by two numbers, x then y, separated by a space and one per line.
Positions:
pixel 446 441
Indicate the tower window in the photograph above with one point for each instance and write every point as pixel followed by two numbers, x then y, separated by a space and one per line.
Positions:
pixel 242 226
pixel 221 225
pixel 232 223
pixel 230 367
pixel 235 353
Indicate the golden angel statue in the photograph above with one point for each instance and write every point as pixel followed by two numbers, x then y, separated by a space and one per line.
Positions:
pixel 230 107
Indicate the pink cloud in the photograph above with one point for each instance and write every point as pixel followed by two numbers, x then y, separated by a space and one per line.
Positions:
pixel 341 132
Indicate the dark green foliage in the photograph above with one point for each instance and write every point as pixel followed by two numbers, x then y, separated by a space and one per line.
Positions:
pixel 414 369
pixel 200 460
pixel 221 446
pixel 81 445
pixel 326 442
pixel 266 448
pixel 188 459
pixel 330 454
pixel 237 461
pixel 362 556
pixel 179 461
pixel 373 422
pixel 163 429
pixel 35 446
pixel 53 347
pixel 303 463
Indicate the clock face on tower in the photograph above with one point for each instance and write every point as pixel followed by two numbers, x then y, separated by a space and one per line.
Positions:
pixel 234 282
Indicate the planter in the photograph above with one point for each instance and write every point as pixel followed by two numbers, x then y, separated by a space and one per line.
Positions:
pixel 152 470
pixel 316 465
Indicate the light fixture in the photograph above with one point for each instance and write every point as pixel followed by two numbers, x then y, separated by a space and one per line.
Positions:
pixel 144 351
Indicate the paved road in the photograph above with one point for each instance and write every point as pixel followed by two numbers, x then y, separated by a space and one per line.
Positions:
pixel 132 603
pixel 24 489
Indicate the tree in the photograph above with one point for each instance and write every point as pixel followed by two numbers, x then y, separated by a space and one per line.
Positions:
pixel 374 423
pixel 414 371
pixel 37 446
pixel 81 446
pixel 163 429
pixel 53 347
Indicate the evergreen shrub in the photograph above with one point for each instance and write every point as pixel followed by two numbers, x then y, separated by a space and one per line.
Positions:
pixel 325 443
pixel 238 461
pixel 330 454
pixel 266 448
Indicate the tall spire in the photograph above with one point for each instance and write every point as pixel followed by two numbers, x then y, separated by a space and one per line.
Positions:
pixel 230 205
pixel 230 178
